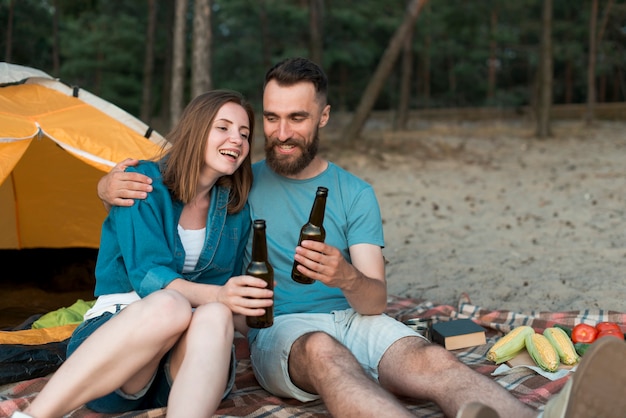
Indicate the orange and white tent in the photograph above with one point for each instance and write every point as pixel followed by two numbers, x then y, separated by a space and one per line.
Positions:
pixel 56 142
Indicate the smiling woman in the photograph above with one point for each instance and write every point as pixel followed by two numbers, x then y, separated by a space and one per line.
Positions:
pixel 168 278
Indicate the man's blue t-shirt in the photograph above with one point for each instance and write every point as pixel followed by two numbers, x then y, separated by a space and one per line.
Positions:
pixel 352 217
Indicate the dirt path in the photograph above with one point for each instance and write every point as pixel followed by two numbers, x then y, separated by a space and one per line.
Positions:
pixel 516 223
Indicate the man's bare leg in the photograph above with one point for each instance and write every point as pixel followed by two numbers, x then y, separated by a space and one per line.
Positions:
pixel 320 364
pixel 417 369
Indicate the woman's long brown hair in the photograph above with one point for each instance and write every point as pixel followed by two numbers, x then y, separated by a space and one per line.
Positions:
pixel 185 158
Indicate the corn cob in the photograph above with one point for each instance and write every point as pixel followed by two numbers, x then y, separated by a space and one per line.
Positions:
pixel 542 352
pixel 510 345
pixel 562 344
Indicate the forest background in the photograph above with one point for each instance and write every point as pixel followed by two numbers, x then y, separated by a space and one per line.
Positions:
pixel 150 57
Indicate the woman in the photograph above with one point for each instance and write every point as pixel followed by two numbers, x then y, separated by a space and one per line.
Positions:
pixel 161 331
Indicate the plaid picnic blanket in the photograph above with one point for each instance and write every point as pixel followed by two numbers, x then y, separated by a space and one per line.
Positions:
pixel 250 400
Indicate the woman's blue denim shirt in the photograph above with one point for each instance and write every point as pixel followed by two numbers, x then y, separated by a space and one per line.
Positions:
pixel 140 248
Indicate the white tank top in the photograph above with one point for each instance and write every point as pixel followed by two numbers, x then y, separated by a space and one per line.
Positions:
pixel 193 241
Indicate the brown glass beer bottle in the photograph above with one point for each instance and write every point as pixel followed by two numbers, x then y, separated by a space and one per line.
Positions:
pixel 260 267
pixel 312 230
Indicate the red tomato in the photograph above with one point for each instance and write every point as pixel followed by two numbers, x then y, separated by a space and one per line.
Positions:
pixel 603 326
pixel 611 332
pixel 583 333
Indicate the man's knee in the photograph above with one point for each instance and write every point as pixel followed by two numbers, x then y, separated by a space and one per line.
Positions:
pixel 318 352
pixel 316 356
pixel 427 357
pixel 315 346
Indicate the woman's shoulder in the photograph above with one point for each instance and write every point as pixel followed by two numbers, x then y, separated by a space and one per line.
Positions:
pixel 152 169
pixel 149 168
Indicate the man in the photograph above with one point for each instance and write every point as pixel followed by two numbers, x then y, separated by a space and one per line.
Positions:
pixel 330 339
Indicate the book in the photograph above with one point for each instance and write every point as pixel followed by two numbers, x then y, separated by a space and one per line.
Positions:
pixel 458 333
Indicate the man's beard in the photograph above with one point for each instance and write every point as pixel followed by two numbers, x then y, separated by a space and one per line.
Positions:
pixel 286 165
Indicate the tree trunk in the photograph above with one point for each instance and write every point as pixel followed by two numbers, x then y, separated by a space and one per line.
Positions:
pixel 451 77
pixel 201 56
pixel 56 61
pixel 148 64
pixel 605 21
pixel 166 89
pixel 601 96
pixel 265 38
pixel 602 88
pixel 423 76
pixel 544 101
pixel 426 72
pixel 383 70
pixel 491 77
pixel 316 19
pixel 402 118
pixel 178 62
pixel 591 67
pixel 98 76
pixel 343 82
pixel 569 82
pixel 8 49
pixel 619 90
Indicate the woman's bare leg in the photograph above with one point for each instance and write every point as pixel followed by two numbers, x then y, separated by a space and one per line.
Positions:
pixel 124 352
pixel 200 363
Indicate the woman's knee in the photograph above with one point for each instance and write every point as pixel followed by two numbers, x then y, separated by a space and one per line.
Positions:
pixel 166 309
pixel 215 316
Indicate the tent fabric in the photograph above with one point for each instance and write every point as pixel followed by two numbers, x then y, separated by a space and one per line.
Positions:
pixel 13 73
pixel 38 336
pixel 56 142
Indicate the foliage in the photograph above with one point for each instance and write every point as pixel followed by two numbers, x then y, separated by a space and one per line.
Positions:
pixel 100 51
pixel 102 46
pixel 31 31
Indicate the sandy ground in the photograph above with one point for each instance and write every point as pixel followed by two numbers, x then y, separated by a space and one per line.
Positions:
pixel 481 208
pixel 486 209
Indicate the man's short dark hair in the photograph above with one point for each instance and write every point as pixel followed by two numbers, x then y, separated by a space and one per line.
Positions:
pixel 296 70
